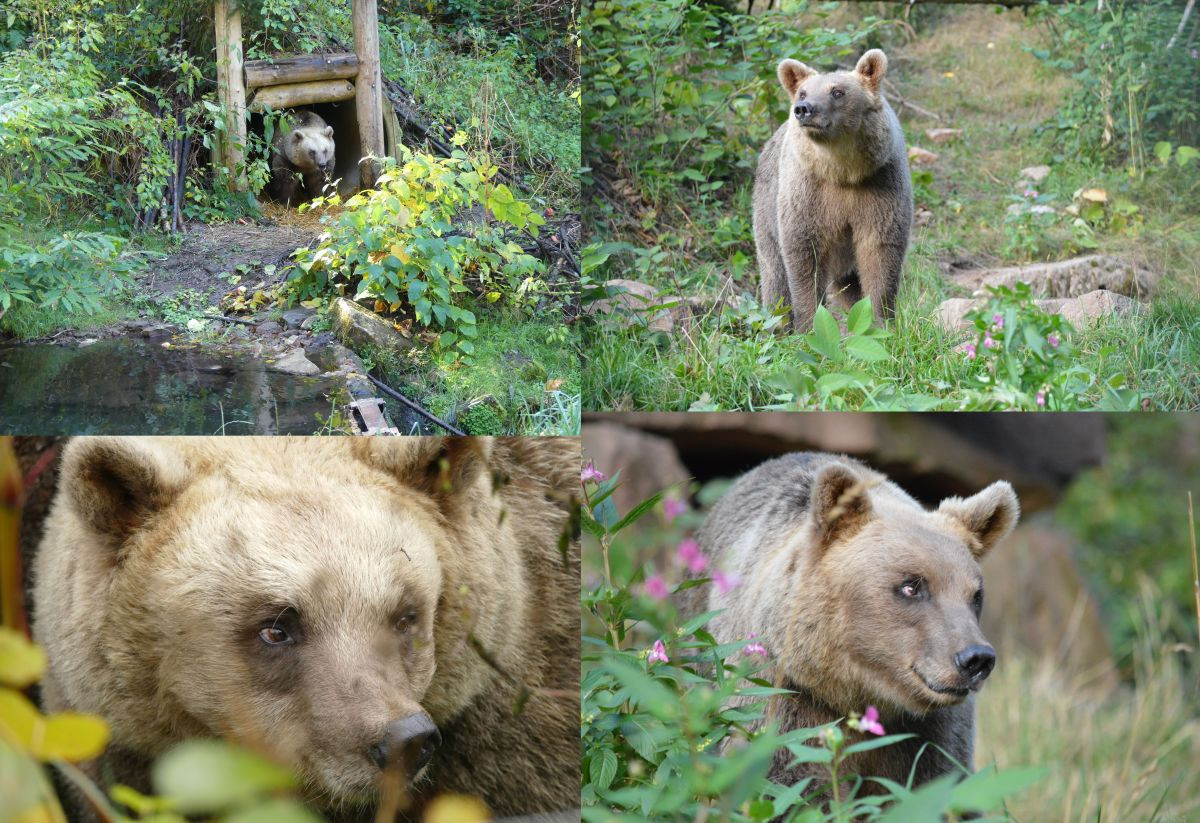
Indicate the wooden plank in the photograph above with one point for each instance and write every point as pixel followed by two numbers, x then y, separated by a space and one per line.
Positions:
pixel 227 23
pixel 300 69
pixel 302 94
pixel 369 87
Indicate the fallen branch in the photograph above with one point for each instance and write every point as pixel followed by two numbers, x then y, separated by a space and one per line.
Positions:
pixel 1187 12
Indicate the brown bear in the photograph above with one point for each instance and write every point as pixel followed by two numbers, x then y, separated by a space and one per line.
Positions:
pixel 348 607
pixel 302 157
pixel 862 598
pixel 833 201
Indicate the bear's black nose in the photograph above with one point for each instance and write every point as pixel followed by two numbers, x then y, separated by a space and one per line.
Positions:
pixel 976 662
pixel 410 740
pixel 804 110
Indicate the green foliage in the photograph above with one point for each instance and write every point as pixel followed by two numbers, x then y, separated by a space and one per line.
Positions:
pixel 397 243
pixel 482 419
pixel 674 723
pixel 71 272
pixel 1130 90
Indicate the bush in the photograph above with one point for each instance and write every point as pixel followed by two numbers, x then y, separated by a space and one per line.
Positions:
pixel 673 722
pixel 397 243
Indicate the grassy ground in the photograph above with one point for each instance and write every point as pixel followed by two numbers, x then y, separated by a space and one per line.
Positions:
pixel 973 67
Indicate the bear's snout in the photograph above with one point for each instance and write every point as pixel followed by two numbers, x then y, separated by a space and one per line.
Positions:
pixel 975 663
pixel 409 741
pixel 804 110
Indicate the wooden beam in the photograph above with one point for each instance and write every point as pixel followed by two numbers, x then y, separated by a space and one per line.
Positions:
pixel 231 91
pixel 1009 3
pixel 301 69
pixel 302 94
pixel 369 87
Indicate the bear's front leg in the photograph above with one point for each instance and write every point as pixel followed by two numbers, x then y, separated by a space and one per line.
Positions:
pixel 800 261
pixel 879 257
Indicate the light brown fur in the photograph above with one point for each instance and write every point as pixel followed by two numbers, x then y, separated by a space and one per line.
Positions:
pixel 161 555
pixel 832 194
pixel 823 545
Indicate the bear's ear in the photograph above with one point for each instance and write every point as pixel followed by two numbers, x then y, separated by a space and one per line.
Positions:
pixel 116 484
pixel 446 468
pixel 839 503
pixel 297 137
pixel 989 516
pixel 871 68
pixel 329 131
pixel 791 74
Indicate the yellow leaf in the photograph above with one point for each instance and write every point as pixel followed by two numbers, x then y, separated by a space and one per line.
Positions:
pixel 66 736
pixel 456 808
pixel 21 662
pixel 400 253
pixel 493 296
pixel 380 307
pixel 554 385
pixel 948 74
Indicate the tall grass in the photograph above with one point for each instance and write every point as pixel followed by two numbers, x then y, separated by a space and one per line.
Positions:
pixel 1127 755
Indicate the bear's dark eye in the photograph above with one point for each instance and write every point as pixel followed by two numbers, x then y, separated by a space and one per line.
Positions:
pixel 977 602
pixel 274 636
pixel 405 624
pixel 802 94
pixel 837 94
pixel 912 589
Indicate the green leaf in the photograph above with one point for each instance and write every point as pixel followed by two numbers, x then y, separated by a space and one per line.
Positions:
pixel 1162 150
pixel 924 805
pixel 279 810
pixel 865 348
pixel 829 384
pixel 1185 155
pixel 636 513
pixel 825 336
pixel 66 736
pixel 644 691
pixel 206 776
pixel 860 317
pixel 21 662
pixel 603 768
pixel 876 743
pixel 987 788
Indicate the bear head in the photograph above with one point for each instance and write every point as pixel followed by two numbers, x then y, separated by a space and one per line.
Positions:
pixel 827 107
pixel 282 597
pixel 310 148
pixel 894 594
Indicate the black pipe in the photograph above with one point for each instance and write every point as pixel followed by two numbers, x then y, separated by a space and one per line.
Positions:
pixel 427 415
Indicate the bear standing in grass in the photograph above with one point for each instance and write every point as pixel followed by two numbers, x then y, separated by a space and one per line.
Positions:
pixel 358 609
pixel 861 598
pixel 302 158
pixel 832 194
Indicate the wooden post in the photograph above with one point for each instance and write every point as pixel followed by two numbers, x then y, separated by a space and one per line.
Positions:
pixel 231 88
pixel 368 87
pixel 291 95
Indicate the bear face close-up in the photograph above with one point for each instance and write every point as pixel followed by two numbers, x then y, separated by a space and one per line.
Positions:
pixel 868 598
pixel 348 608
pixel 302 157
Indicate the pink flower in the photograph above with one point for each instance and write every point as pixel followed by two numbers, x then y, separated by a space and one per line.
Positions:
pixel 658 654
pixel 725 583
pixel 988 342
pixel 672 508
pixel 870 721
pixel 755 648
pixel 1041 398
pixel 1030 192
pixel 998 321
pixel 591 474
pixel 970 350
pixel 1053 340
pixel 656 587
pixel 689 554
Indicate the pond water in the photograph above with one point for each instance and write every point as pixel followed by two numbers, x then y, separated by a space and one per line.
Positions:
pixel 133 385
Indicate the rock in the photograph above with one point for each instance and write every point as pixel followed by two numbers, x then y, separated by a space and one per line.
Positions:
pixel 294 362
pixel 359 328
pixel 1017 208
pixel 308 322
pixel 1035 174
pixel 921 157
pixel 1067 278
pixel 660 312
pixel 922 217
pixel 83 344
pixel 943 135
pixel 269 327
pixel 294 318
pixel 1078 311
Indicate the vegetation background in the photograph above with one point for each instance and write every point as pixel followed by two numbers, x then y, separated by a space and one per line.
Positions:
pixel 681 97
pixel 1113 737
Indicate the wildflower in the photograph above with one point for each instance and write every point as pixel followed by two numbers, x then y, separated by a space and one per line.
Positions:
pixel 870 722
pixel 988 342
pixel 1041 398
pixel 970 350
pixel 1053 340
pixel 591 474
pixel 725 583
pixel 656 587
pixel 1031 192
pixel 658 654
pixel 998 321
pixel 672 508
pixel 754 647
pixel 689 554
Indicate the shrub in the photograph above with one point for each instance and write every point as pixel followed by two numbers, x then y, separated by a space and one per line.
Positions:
pixel 397 243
